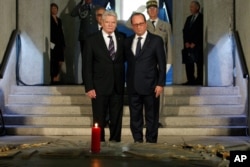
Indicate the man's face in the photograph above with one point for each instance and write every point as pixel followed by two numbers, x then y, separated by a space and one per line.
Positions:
pixel 152 12
pixel 109 24
pixel 193 8
pixel 54 10
pixel 139 25
pixel 98 16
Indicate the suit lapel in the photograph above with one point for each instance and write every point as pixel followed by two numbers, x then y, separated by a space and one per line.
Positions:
pixel 119 45
pixel 159 23
pixel 130 42
pixel 103 46
pixel 102 42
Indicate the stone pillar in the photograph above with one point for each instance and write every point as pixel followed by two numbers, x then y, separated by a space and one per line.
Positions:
pixel 8 23
pixel 242 26
pixel 218 42
pixel 34 24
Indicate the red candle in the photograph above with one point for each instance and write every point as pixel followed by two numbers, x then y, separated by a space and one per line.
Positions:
pixel 96 139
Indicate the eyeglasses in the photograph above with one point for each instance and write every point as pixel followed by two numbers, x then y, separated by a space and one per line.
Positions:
pixel 98 15
pixel 138 24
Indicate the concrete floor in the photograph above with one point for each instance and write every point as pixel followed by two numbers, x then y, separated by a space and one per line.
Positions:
pixel 65 151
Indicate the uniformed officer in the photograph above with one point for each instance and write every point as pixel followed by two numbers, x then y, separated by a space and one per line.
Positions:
pixel 85 10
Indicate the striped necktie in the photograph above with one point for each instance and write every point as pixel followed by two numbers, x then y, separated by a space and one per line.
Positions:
pixel 111 48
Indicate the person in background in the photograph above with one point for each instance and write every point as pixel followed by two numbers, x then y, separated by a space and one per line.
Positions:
pixel 146 74
pixel 57 45
pixel 193 43
pixel 85 10
pixel 98 14
pixel 159 27
pixel 104 74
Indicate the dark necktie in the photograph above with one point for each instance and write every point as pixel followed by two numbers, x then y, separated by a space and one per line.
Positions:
pixel 192 20
pixel 153 22
pixel 111 48
pixel 138 46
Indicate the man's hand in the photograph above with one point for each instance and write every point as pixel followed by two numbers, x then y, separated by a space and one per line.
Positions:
pixel 187 45
pixel 192 45
pixel 158 91
pixel 91 94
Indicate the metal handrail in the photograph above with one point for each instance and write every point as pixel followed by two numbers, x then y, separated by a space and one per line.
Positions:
pixel 245 72
pixel 241 55
pixel 6 56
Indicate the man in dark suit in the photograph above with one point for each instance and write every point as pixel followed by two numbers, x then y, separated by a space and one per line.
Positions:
pixel 104 74
pixel 193 42
pixel 146 74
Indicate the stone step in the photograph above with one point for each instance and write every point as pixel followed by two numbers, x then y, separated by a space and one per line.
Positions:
pixel 167 131
pixel 48 90
pixel 48 100
pixel 66 110
pixel 200 90
pixel 202 100
pixel 170 110
pixel 225 120
pixel 52 109
pixel 79 90
pixel 82 99
pixel 187 110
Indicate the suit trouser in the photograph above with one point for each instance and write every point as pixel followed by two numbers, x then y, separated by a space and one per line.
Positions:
pixel 151 106
pixel 111 105
pixel 190 71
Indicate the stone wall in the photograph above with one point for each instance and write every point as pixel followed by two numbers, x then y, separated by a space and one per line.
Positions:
pixel 34 24
pixel 242 25
pixel 8 23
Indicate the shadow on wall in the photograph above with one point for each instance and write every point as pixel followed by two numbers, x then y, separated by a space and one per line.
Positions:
pixel 2 101
pixel 71 71
pixel 220 62
pixel 46 62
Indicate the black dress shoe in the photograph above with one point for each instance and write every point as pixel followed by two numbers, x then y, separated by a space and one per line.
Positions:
pixel 189 83
pixel 197 82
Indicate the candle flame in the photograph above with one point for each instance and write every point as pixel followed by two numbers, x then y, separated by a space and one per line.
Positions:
pixel 96 125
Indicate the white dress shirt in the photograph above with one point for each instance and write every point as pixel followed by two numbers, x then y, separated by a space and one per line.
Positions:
pixel 136 39
pixel 107 39
pixel 155 21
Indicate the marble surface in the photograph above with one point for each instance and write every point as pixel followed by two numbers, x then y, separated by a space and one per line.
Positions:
pixel 170 151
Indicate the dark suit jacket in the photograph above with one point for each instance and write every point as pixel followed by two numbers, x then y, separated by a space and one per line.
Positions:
pixel 194 33
pixel 101 72
pixel 149 68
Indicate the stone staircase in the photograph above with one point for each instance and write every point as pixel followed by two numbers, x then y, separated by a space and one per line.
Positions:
pixel 65 110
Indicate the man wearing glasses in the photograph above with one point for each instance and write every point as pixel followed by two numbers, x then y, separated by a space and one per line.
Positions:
pixel 146 60
pixel 98 15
